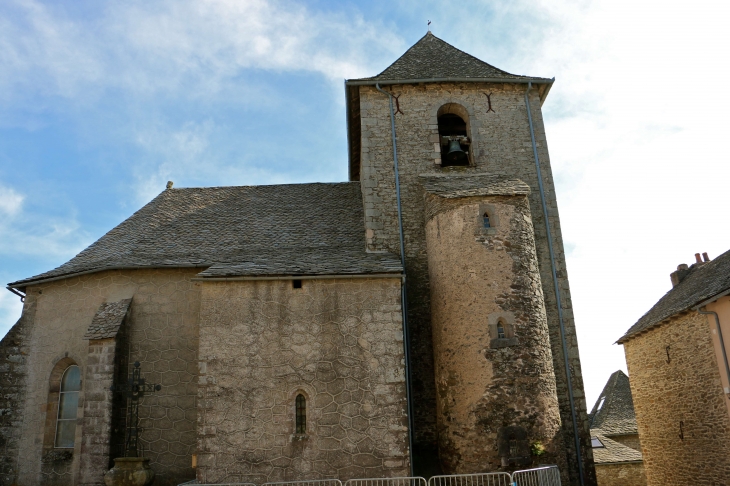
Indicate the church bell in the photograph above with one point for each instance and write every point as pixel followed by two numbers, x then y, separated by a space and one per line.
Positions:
pixel 455 155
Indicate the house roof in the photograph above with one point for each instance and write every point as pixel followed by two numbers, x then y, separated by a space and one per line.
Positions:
pixel 613 452
pixel 433 58
pixel 613 412
pixel 703 282
pixel 286 229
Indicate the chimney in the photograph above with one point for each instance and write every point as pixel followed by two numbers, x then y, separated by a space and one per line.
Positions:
pixel 705 257
pixel 680 274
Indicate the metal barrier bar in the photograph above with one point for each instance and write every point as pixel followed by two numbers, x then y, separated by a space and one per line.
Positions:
pixel 407 481
pixel 313 482
pixel 540 476
pixel 485 479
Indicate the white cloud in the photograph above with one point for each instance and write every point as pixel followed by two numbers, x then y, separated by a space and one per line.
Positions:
pixel 199 47
pixel 10 201
pixel 10 310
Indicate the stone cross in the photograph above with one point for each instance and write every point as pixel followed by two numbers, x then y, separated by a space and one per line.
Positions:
pixel 134 389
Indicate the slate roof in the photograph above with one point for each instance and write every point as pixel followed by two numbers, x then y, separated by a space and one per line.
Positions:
pixel 613 452
pixel 616 416
pixel 108 319
pixel 703 282
pixel 433 58
pixel 453 186
pixel 286 229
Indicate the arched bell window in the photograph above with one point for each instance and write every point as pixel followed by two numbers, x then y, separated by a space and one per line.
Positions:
pixel 301 414
pixel 454 135
pixel 68 404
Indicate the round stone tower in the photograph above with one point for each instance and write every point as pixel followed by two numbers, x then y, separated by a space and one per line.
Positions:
pixel 497 406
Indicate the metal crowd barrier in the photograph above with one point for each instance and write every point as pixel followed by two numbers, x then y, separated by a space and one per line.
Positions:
pixel 313 482
pixel 485 479
pixel 407 481
pixel 541 476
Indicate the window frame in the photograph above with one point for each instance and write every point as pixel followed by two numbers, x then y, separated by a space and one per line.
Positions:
pixel 59 408
pixel 300 412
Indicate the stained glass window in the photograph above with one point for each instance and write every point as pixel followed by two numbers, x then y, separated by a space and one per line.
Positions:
pixel 301 410
pixel 68 403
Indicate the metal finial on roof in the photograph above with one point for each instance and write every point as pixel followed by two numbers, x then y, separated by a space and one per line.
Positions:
pixel 169 184
pixel 429 26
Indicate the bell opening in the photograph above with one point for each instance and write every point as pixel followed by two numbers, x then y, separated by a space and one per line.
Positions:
pixel 454 141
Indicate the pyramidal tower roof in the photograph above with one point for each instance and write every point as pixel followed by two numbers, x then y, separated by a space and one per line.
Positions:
pixel 613 413
pixel 432 59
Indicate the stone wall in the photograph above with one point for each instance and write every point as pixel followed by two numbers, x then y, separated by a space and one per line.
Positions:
pixel 496 395
pixel 679 402
pixel 337 342
pixel 628 474
pixel 163 335
pixel 14 351
pixel 500 145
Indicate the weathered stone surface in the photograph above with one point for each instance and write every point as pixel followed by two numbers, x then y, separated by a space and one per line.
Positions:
pixel 680 406
pixel 162 326
pixel 631 474
pixel 14 351
pixel 500 145
pixel 337 342
pixel 481 279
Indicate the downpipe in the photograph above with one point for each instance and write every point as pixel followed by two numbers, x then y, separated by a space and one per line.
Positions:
pixel 576 435
pixel 403 293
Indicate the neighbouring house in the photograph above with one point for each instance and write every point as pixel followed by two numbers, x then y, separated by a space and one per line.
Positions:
pixel 615 436
pixel 677 359
pixel 405 318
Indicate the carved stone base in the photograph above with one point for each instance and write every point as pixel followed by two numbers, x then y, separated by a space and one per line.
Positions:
pixel 130 471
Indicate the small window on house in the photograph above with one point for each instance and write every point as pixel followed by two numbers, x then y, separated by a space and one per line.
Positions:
pixel 68 403
pixel 596 443
pixel 454 140
pixel 485 217
pixel 296 284
pixel 301 414
pixel 500 330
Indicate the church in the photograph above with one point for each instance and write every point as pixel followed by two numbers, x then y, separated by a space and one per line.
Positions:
pixel 414 320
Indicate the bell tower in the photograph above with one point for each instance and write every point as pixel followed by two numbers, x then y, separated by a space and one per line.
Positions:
pixel 489 342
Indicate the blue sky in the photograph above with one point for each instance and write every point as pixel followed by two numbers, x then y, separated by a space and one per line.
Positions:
pixel 102 102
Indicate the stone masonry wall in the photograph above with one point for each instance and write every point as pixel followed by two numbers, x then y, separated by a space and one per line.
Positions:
pixel 500 145
pixel 630 474
pixel 683 422
pixel 14 351
pixel 163 330
pixel 96 435
pixel 339 343
pixel 496 395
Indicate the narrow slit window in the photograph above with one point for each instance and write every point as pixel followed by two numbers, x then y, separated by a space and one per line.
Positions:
pixel 500 330
pixel 485 217
pixel 296 284
pixel 514 448
pixel 68 404
pixel 301 414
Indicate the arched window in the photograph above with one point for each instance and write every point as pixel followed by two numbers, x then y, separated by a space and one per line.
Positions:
pixel 500 330
pixel 485 217
pixel 68 403
pixel 453 135
pixel 301 414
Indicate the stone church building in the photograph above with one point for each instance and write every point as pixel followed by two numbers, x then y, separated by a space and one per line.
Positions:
pixel 416 319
